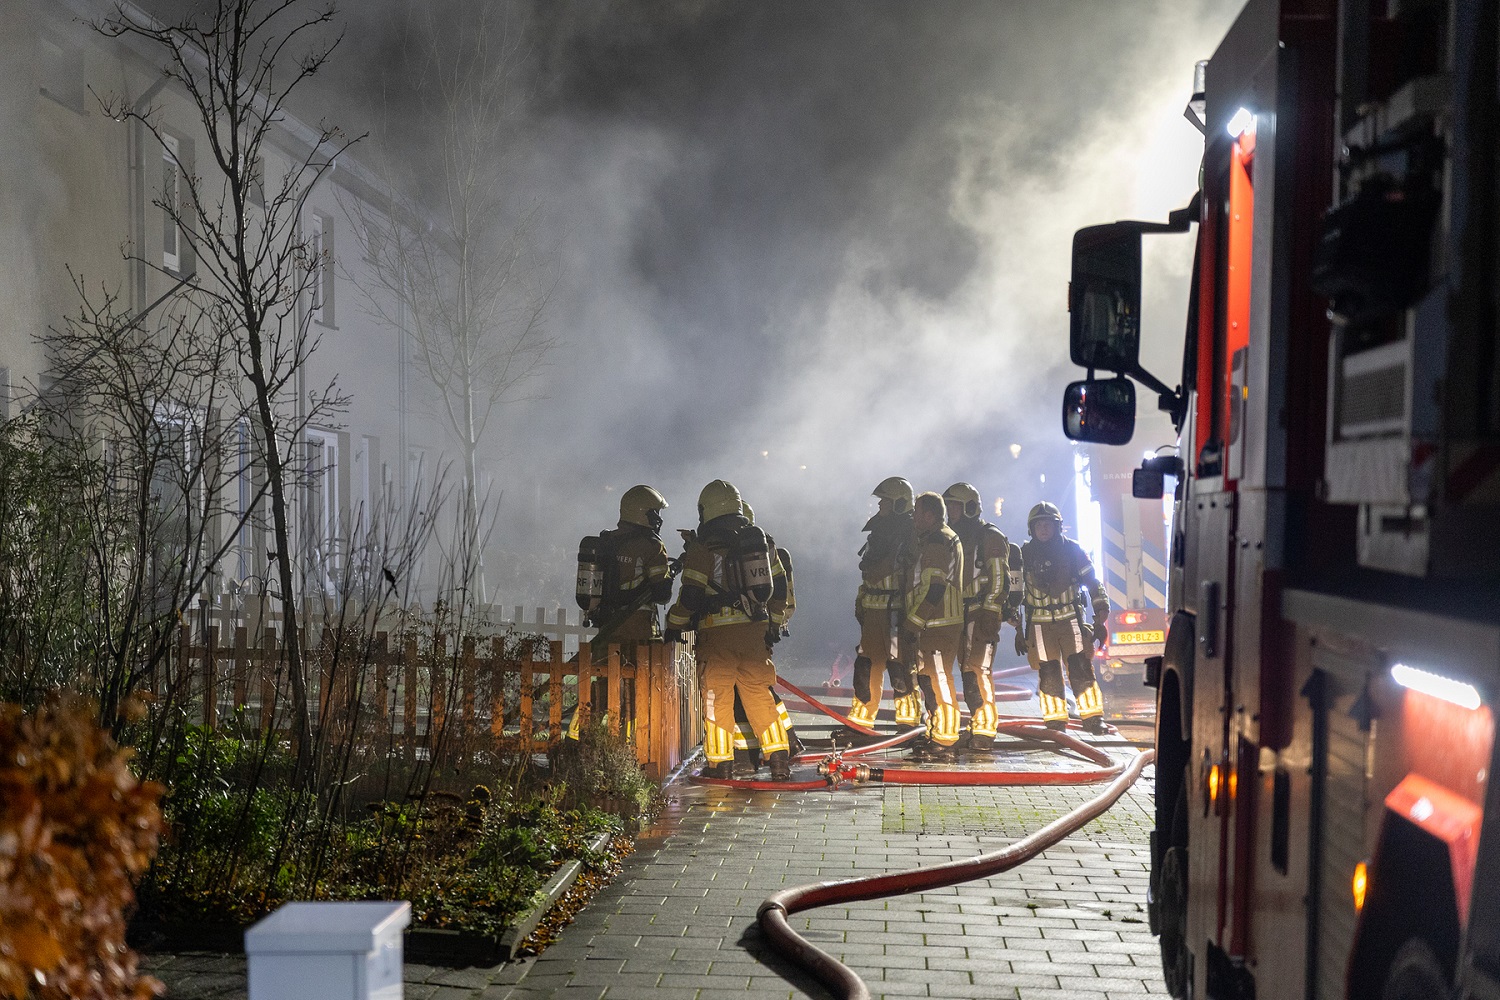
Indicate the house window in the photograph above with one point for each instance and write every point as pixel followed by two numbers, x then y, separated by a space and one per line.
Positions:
pixel 320 266
pixel 171 204
pixel 323 507
pixel 172 462
pixel 244 481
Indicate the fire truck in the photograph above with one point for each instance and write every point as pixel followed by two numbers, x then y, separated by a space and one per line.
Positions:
pixel 1128 542
pixel 1325 699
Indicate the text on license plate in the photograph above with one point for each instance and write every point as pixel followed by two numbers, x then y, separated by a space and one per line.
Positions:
pixel 1129 638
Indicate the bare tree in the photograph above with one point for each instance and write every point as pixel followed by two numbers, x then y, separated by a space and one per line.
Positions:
pixel 156 413
pixel 465 271
pixel 237 63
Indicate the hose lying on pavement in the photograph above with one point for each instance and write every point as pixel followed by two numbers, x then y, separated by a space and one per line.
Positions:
pixel 839 978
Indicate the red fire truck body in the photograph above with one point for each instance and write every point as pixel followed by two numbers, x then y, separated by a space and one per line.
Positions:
pixel 1325 826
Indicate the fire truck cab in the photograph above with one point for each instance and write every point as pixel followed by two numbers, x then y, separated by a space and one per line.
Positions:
pixel 1325 824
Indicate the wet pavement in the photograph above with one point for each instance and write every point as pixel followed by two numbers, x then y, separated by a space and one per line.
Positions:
pixel 679 922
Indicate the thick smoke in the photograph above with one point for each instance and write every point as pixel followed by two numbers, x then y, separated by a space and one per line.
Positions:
pixel 808 246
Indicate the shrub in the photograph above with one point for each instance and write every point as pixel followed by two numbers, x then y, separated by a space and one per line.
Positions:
pixel 76 828
pixel 600 768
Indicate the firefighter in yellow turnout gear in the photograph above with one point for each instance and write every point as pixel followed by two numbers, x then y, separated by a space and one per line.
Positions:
pixel 986 593
pixel 934 621
pixel 726 588
pixel 880 608
pixel 1055 569
pixel 634 576
pixel 781 607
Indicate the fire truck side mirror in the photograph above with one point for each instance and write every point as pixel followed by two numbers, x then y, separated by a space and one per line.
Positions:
pixel 1101 412
pixel 1149 481
pixel 1147 484
pixel 1104 297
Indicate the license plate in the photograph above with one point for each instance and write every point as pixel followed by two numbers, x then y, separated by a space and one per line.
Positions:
pixel 1135 638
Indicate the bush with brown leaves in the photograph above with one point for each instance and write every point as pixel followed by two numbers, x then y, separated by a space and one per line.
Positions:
pixel 76 829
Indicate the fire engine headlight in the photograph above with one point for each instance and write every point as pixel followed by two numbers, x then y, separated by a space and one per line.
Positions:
pixel 1360 884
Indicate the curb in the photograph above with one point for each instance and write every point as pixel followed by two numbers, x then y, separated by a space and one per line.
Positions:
pixel 561 881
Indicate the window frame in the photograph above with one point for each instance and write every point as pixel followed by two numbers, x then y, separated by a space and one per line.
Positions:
pixel 171 156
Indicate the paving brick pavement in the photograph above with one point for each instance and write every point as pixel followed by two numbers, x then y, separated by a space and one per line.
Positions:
pixel 680 920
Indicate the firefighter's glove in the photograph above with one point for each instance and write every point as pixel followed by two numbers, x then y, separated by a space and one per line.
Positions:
pixel 986 625
pixel 673 635
pixel 1020 643
pixel 1101 633
pixel 773 635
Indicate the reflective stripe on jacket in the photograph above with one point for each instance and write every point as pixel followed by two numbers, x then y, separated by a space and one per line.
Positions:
pixel 938 571
pixel 986 561
pixel 1052 576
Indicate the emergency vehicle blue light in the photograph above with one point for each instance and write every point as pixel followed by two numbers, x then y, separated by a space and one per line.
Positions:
pixel 1446 688
pixel 1243 119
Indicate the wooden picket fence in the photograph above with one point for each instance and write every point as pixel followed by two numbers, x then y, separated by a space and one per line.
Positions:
pixel 440 695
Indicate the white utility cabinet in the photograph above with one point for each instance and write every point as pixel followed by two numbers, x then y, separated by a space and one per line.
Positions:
pixel 328 951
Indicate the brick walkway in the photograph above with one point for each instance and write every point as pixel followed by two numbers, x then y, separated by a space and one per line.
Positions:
pixel 679 924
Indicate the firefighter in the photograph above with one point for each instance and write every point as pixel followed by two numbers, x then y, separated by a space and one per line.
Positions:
pixel 783 604
pixel 1054 571
pixel 726 589
pixel 986 592
pixel 934 621
pixel 879 608
pixel 637 577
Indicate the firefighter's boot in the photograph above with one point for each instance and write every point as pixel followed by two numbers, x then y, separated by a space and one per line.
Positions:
pixel 722 769
pixel 781 765
pixel 744 764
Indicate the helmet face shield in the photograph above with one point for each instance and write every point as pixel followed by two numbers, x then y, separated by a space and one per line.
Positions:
pixel 967 497
pixel 642 505
pixel 898 491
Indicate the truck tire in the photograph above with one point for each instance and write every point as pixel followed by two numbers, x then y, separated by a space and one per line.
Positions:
pixel 1415 974
pixel 1173 919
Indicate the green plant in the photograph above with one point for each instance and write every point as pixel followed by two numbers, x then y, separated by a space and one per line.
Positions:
pixel 601 767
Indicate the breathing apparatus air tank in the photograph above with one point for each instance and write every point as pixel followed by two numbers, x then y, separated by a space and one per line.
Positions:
pixel 751 554
pixel 590 586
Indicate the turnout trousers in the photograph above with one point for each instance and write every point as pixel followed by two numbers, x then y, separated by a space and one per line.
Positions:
pixel 734 658
pixel 876 656
pixel 976 656
pixel 1051 644
pixel 937 650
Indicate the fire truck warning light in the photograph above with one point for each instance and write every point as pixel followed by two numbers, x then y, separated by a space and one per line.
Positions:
pixel 1449 690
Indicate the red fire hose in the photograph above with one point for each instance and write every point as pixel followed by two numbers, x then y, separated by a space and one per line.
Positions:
pixel 835 771
pixel 815 703
pixel 839 978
